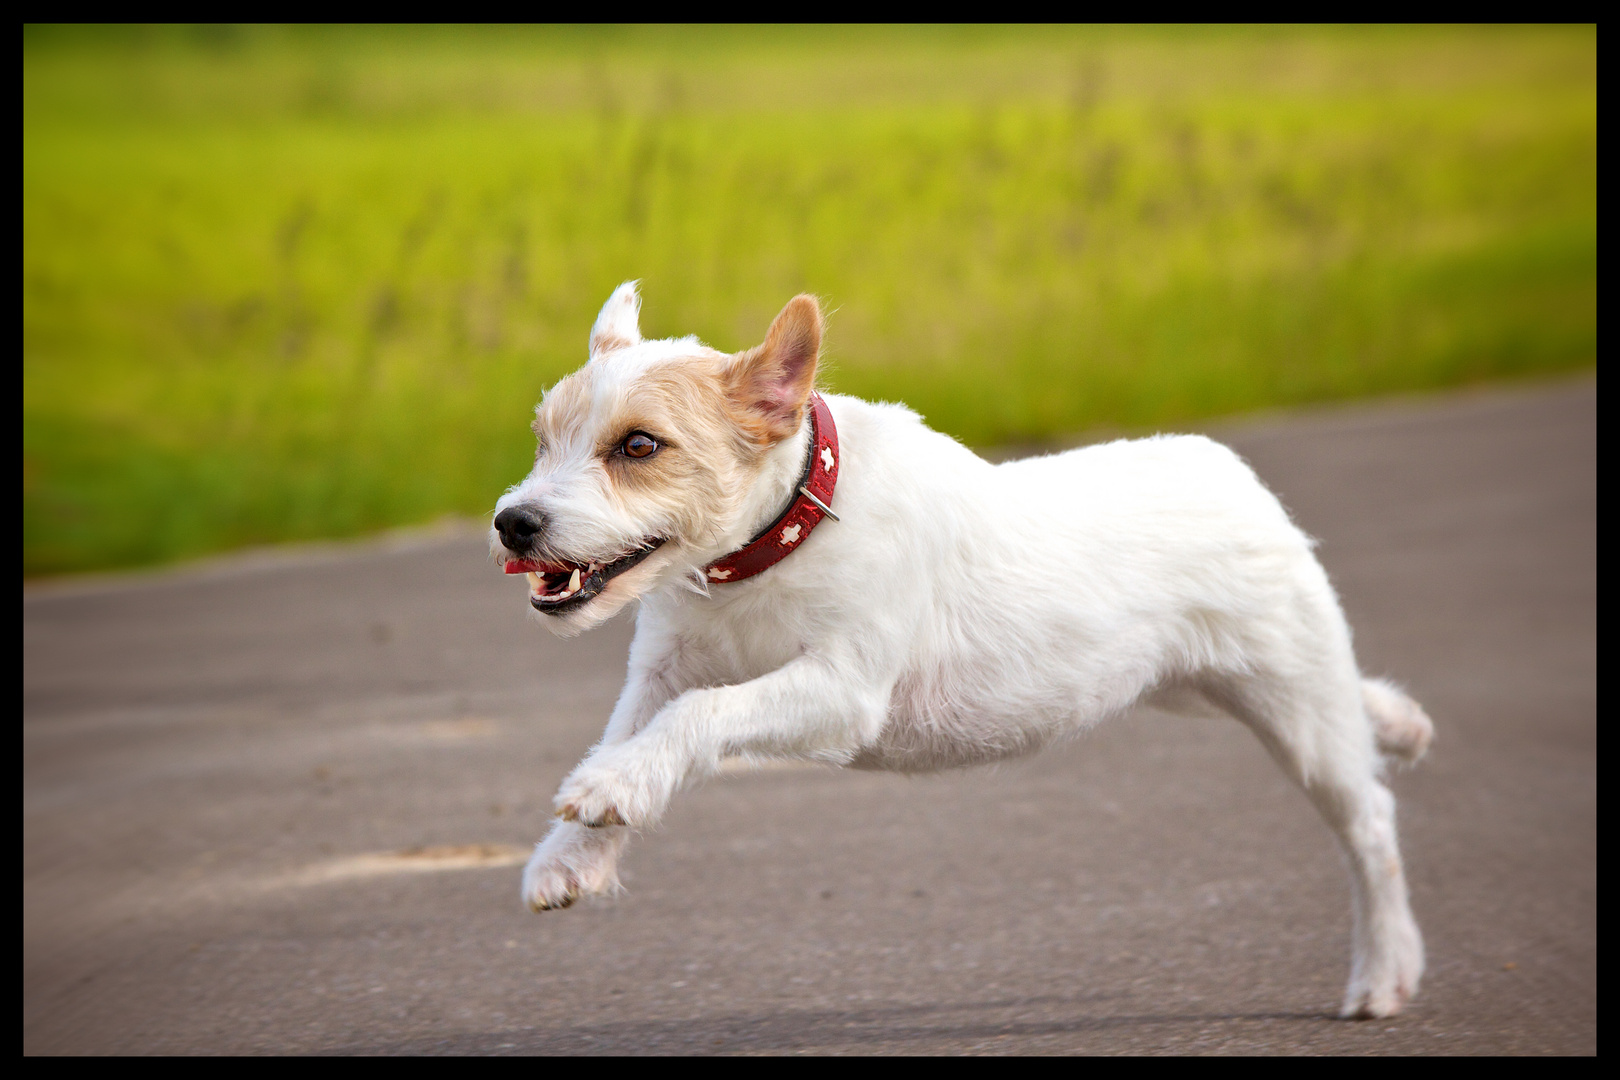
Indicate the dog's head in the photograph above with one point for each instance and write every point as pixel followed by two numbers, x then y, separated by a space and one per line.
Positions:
pixel 650 459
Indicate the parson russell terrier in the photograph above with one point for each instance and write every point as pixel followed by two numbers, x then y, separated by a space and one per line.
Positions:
pixel 828 579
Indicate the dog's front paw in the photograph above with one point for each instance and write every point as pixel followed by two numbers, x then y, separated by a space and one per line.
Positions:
pixel 549 886
pixel 615 788
pixel 570 863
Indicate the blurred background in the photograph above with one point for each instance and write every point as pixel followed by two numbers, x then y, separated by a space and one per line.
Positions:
pixel 297 283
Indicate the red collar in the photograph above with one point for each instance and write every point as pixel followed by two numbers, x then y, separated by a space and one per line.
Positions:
pixel 811 503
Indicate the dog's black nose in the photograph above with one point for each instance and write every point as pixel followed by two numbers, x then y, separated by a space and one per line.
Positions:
pixel 517 526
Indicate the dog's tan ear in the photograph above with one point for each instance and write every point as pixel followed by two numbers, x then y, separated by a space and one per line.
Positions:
pixel 619 324
pixel 769 384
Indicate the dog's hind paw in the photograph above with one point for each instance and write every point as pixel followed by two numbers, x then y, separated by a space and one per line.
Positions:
pixel 1379 1005
pixel 1388 979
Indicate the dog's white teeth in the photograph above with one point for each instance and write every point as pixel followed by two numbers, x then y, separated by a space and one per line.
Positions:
pixel 536 583
pixel 573 581
pixel 595 566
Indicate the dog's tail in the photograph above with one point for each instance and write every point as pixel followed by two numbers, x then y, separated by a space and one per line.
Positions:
pixel 1403 730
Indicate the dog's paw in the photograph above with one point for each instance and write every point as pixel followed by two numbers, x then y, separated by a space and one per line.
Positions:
pixel 570 863
pixel 549 886
pixel 1376 1004
pixel 615 788
pixel 1388 979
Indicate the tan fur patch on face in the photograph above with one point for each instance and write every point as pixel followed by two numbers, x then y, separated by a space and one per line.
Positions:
pixel 702 455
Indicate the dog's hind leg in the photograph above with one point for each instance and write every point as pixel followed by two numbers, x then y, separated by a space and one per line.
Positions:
pixel 1314 723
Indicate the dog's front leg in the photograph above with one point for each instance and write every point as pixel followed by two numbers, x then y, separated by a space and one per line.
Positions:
pixel 574 861
pixel 805 709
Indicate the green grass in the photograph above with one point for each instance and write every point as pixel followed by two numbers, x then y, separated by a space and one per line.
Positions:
pixel 292 284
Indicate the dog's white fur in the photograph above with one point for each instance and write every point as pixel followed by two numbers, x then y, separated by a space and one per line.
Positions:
pixel 960 612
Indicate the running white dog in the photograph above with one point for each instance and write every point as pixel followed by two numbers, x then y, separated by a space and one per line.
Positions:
pixel 925 608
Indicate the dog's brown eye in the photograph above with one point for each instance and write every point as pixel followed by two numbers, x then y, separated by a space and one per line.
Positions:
pixel 639 445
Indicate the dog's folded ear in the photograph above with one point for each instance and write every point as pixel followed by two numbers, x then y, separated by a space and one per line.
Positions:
pixel 618 326
pixel 769 384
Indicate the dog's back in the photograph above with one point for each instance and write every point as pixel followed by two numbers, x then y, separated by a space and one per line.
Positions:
pixel 1052 592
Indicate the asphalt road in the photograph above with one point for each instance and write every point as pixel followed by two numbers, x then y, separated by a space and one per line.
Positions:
pixel 272 805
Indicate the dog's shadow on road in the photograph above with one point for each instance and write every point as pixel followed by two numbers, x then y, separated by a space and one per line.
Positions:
pixel 904 1028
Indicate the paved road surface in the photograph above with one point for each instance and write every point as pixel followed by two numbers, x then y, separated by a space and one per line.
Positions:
pixel 222 767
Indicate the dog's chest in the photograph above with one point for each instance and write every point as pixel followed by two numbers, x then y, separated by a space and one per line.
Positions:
pixel 721 652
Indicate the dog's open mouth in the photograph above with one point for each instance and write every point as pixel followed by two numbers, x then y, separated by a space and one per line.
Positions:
pixel 559 587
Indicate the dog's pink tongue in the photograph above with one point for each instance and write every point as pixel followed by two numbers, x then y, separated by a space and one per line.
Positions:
pixel 524 566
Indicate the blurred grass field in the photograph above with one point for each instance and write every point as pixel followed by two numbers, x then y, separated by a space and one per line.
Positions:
pixel 284 284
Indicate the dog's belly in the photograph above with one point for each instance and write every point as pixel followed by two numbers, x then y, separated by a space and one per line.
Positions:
pixel 912 747
pixel 922 736
pixel 922 754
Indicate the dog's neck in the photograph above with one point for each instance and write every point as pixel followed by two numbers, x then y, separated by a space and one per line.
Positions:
pixel 778 481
